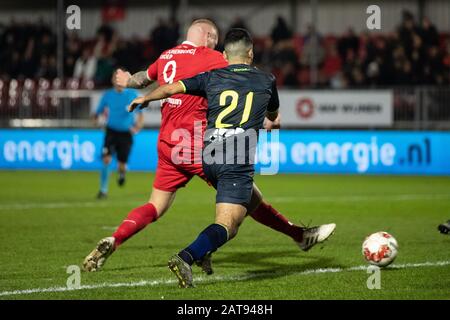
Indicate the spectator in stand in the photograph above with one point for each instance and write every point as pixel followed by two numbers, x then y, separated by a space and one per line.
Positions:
pixel 280 31
pixel 164 36
pixel 406 30
pixel 106 44
pixel 404 74
pixel 434 69
pixel 357 76
pixel 126 49
pixel 412 55
pixel 446 61
pixel 86 65
pixel 173 33
pixel 428 33
pixel 349 41
pixel 71 53
pixel 417 58
pixel 312 48
pixel 283 53
pixel 332 63
pixel 29 63
pixel 12 67
pixel 239 23
pixel 47 68
pixel 157 36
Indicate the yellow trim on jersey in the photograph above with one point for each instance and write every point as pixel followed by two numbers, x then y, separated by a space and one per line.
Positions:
pixel 184 87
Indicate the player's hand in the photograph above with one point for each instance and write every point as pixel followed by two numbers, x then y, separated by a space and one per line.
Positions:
pixel 121 78
pixel 140 101
pixel 134 130
pixel 271 125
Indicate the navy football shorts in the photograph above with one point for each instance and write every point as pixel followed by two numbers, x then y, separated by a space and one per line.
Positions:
pixel 233 181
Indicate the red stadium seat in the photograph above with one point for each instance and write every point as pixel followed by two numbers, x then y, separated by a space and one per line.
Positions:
pixel 41 108
pixel 88 84
pixel 12 96
pixel 73 84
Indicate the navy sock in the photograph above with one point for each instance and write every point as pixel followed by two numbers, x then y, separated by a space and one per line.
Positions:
pixel 209 240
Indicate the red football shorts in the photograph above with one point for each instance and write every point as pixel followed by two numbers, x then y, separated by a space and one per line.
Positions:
pixel 170 176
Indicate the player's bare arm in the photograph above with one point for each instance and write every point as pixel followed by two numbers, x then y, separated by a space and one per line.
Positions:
pixel 139 124
pixel 159 93
pixel 138 80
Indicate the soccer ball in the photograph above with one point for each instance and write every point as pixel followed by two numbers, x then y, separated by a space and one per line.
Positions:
pixel 380 249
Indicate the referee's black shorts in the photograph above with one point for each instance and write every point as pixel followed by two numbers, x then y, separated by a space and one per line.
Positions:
pixel 117 142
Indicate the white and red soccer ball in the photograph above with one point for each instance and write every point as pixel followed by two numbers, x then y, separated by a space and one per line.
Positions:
pixel 380 249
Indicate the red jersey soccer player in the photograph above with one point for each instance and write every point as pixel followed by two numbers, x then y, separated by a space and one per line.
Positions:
pixel 193 56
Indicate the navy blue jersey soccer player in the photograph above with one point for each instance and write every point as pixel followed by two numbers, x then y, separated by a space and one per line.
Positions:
pixel 239 98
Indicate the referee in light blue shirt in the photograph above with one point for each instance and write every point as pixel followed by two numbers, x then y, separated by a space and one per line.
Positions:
pixel 120 127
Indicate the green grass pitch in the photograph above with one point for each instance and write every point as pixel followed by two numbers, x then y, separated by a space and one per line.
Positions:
pixel 50 220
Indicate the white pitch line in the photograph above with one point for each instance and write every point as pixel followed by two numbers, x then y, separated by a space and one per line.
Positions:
pixel 59 205
pixel 332 198
pixel 362 198
pixel 159 282
pixel 109 228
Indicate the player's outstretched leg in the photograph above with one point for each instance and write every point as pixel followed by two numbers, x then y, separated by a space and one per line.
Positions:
pixel 136 220
pixel 305 238
pixel 444 228
pixel 270 217
pixel 265 214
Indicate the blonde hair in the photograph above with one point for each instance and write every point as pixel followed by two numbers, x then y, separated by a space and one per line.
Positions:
pixel 205 21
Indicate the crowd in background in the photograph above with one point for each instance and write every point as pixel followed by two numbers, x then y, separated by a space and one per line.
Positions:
pixel 414 54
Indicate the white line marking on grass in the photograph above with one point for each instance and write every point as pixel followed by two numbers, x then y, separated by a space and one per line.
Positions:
pixel 362 198
pixel 109 228
pixel 59 205
pixel 330 198
pixel 159 282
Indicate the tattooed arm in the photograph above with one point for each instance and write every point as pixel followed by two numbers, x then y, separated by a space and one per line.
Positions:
pixel 138 80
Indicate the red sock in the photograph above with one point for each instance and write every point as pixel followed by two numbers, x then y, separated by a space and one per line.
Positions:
pixel 270 217
pixel 136 220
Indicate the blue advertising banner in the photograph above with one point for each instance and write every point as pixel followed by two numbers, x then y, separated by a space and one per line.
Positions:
pixel 373 152
pixel 69 149
pixel 358 152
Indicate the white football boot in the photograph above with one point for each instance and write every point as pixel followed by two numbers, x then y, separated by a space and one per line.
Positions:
pixel 97 258
pixel 315 235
